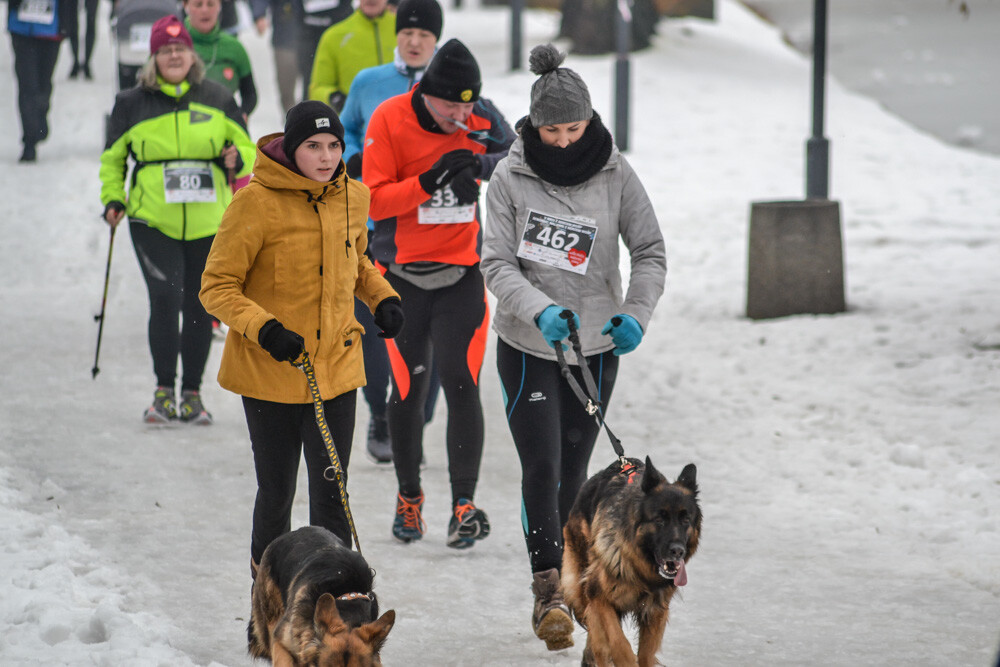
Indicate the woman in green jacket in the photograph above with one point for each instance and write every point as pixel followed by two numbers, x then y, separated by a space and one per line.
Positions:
pixel 187 139
pixel 226 61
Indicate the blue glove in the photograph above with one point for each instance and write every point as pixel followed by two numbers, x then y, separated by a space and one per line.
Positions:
pixel 625 332
pixel 554 326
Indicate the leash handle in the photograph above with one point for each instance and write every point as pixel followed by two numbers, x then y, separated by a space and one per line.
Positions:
pixel 305 365
pixel 590 402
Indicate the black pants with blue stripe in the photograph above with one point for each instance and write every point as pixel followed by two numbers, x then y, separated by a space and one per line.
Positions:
pixel 554 437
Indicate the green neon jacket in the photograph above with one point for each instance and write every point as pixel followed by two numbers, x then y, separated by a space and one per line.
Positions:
pixel 155 127
pixel 348 47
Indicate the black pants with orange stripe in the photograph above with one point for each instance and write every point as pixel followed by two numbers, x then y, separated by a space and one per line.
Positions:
pixel 448 325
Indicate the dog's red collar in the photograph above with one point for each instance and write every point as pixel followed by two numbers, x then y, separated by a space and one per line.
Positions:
pixel 354 596
pixel 629 471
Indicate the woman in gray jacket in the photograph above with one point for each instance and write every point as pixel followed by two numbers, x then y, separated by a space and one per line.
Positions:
pixel 556 207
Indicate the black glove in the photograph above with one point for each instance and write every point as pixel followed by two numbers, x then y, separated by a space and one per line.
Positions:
pixel 354 165
pixel 280 343
pixel 389 317
pixel 449 164
pixel 113 206
pixel 337 100
pixel 465 186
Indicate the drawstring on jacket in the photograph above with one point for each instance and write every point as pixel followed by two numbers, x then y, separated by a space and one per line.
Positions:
pixel 347 210
pixel 347 214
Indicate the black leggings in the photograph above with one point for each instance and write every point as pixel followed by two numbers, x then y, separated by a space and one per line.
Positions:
pixel 280 434
pixel 34 63
pixel 172 270
pixel 554 437
pixel 450 325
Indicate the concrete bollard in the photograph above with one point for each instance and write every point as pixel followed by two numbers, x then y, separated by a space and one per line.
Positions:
pixel 796 259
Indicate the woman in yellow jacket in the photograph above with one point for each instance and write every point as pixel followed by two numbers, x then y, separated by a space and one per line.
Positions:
pixel 284 269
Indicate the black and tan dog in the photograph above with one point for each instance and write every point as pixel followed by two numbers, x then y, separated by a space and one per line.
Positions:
pixel 626 543
pixel 313 604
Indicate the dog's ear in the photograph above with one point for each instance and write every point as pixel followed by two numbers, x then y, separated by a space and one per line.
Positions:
pixel 327 618
pixel 651 477
pixel 688 478
pixel 375 633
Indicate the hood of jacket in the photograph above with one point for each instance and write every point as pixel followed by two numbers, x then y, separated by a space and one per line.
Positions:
pixel 274 170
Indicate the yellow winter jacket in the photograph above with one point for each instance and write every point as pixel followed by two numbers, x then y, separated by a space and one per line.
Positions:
pixel 292 249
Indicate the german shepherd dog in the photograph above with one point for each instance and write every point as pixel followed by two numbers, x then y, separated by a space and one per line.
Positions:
pixel 313 604
pixel 627 539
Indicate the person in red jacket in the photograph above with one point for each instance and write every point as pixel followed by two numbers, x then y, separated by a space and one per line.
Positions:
pixel 425 152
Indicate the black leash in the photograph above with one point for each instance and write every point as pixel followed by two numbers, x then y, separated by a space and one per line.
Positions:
pixel 589 398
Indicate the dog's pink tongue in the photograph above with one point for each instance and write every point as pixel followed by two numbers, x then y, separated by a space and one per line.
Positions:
pixel 681 578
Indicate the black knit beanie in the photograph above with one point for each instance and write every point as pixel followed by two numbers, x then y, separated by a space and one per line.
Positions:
pixel 306 119
pixel 452 74
pixel 423 14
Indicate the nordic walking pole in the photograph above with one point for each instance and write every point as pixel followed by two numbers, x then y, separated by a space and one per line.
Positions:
pixel 104 302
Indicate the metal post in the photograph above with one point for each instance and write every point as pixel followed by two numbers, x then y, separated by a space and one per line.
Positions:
pixel 623 44
pixel 818 148
pixel 516 41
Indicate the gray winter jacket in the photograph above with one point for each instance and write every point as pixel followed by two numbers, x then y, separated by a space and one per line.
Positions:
pixel 615 202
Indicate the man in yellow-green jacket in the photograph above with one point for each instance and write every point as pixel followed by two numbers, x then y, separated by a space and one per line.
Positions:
pixel 364 39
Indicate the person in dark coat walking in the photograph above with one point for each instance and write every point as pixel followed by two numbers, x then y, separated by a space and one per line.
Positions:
pixel 82 65
pixel 36 29
pixel 296 27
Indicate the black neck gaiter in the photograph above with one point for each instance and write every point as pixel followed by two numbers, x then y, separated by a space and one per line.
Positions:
pixel 571 165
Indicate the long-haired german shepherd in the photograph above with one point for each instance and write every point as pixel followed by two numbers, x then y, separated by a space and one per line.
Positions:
pixel 313 604
pixel 627 539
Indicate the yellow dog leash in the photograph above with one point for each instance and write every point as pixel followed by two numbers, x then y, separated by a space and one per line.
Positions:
pixel 306 366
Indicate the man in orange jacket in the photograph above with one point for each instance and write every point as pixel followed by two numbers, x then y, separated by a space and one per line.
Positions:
pixel 425 152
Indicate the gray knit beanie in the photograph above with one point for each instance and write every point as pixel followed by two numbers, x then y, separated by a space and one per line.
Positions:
pixel 559 95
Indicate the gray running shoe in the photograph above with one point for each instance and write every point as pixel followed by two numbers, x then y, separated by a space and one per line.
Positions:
pixel 379 445
pixel 192 410
pixel 164 409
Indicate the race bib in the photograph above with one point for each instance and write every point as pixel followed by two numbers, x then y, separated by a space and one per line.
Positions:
pixel 188 182
pixel 443 209
pixel 316 6
pixel 138 37
pixel 37 11
pixel 563 243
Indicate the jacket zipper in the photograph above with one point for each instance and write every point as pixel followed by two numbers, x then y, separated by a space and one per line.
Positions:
pixel 177 140
pixel 378 41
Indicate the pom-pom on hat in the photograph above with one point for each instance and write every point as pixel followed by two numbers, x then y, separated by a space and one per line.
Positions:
pixel 423 14
pixel 306 119
pixel 452 74
pixel 559 95
pixel 168 30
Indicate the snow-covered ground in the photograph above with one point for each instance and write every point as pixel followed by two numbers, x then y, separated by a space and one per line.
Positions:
pixel 848 464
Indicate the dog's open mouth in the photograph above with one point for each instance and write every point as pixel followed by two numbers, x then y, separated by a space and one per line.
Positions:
pixel 673 569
